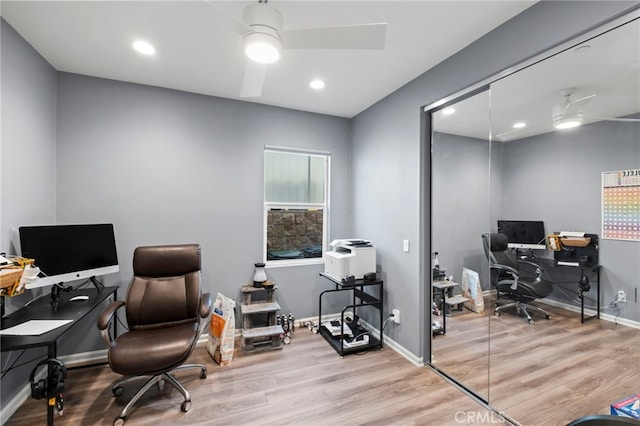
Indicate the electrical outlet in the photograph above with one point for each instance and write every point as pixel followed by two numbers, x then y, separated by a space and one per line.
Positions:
pixel 622 296
pixel 396 316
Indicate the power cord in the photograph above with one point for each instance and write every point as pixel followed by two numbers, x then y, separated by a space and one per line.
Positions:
pixel 384 324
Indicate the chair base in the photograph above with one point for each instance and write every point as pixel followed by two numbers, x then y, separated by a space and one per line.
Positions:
pixel 522 307
pixel 159 379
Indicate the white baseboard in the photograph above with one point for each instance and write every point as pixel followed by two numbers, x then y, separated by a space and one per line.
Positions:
pixel 587 312
pixel 591 312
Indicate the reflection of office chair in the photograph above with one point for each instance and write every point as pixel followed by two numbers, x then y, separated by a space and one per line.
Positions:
pixel 509 282
pixel 163 309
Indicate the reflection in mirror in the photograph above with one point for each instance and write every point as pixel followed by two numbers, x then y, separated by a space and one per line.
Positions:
pixel 460 214
pixel 565 133
pixel 560 369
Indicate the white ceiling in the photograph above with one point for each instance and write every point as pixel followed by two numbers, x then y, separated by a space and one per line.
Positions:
pixel 199 49
pixel 607 66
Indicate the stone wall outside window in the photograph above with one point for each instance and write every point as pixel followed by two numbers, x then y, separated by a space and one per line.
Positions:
pixel 295 230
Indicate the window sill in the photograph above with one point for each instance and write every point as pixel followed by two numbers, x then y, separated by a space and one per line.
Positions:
pixel 294 262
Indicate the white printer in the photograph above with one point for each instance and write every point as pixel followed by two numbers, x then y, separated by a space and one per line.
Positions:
pixel 350 257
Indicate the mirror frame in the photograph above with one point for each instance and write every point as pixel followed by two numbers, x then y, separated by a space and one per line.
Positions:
pixel 426 178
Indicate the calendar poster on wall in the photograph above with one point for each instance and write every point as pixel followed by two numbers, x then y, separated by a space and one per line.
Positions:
pixel 621 205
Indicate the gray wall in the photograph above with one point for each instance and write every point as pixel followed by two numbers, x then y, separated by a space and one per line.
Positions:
pixel 461 202
pixel 168 167
pixel 28 166
pixel 387 147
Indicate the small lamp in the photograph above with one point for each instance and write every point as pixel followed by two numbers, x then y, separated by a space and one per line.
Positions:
pixel 259 276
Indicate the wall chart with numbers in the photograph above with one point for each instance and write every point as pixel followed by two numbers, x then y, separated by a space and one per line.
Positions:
pixel 621 205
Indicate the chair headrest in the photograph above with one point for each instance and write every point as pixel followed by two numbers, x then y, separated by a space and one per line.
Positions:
pixel 166 261
pixel 499 242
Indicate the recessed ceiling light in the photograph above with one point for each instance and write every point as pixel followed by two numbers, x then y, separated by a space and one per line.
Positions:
pixel 448 111
pixel 143 47
pixel 519 125
pixel 317 84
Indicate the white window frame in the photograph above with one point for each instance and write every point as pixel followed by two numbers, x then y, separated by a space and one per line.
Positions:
pixel 280 205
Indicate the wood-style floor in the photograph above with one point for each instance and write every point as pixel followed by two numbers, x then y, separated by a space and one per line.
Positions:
pixel 548 373
pixel 306 383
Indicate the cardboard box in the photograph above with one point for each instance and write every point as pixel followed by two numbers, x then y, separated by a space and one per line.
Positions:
pixel 628 407
pixel 10 280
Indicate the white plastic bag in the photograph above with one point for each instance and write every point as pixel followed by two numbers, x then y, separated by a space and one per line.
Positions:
pixel 471 289
pixel 222 330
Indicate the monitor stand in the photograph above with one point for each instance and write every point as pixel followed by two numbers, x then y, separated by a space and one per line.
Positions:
pixel 56 295
pixel 57 289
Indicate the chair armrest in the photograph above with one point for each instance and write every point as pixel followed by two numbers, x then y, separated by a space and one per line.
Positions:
pixel 106 317
pixel 509 269
pixel 205 305
pixel 539 269
pixel 513 272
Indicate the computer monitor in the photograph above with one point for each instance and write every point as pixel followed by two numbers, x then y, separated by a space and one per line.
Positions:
pixel 523 234
pixel 66 253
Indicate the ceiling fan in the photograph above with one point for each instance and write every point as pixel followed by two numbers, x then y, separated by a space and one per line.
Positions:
pixel 264 38
pixel 566 115
pixel 570 113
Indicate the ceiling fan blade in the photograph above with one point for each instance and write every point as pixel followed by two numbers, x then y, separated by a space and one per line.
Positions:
pixel 576 106
pixel 364 36
pixel 253 80
pixel 626 120
pixel 522 132
pixel 237 24
pixel 506 136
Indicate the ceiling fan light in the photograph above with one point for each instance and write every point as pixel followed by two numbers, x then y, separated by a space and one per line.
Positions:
pixel 262 48
pixel 568 123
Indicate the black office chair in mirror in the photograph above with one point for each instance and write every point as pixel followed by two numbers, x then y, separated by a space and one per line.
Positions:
pixel 560 147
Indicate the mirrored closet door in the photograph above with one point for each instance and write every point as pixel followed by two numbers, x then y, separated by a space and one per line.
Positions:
pixel 556 143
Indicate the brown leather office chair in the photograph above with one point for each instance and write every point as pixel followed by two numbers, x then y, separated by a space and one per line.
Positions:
pixel 163 308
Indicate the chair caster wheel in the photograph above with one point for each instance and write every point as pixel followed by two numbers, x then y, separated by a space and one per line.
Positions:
pixel 203 373
pixel 117 391
pixel 531 321
pixel 496 313
pixel 548 316
pixel 186 406
pixel 118 421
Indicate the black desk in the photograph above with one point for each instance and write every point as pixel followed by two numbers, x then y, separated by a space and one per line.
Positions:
pixel 41 310
pixel 582 268
pixel 359 299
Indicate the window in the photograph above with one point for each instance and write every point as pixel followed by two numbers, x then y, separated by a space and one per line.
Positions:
pixel 295 205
